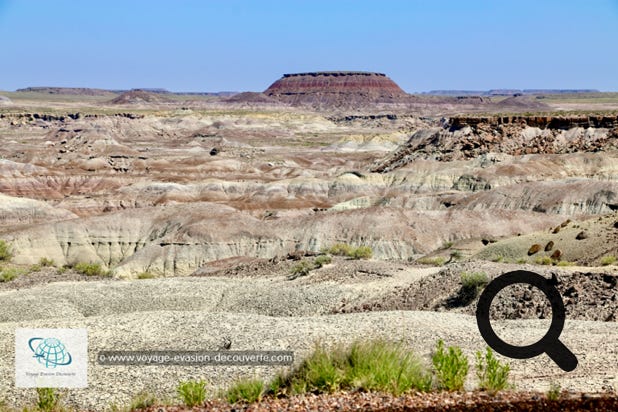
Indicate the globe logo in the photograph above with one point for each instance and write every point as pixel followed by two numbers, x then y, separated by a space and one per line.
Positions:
pixel 50 352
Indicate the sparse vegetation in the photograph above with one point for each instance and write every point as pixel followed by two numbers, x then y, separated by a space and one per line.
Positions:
pixel 450 366
pixel 340 249
pixel 456 255
pixel 146 275
pixel 497 258
pixel 142 400
pixel 46 262
pixel 90 269
pixel 565 263
pixel 474 281
pixel 302 268
pixel 5 251
pixel 246 390
pixel 608 260
pixel 9 274
pixel 321 261
pixel 534 249
pixel 192 393
pixel 376 365
pixel 553 394
pixel 447 245
pixel 362 252
pixel 521 261
pixel 343 249
pixel 435 261
pixel 492 374
pixel 543 260
pixel 47 399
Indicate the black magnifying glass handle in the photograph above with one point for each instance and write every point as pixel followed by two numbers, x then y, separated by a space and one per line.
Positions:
pixel 563 357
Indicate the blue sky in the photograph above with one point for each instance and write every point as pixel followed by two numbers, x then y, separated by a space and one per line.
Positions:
pixel 246 45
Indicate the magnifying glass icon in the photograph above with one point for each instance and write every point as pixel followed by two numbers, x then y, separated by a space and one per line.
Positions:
pixel 549 343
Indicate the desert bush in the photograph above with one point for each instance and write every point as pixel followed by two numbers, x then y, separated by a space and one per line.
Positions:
pixel 302 268
pixel 5 251
pixel 375 365
pixel 192 393
pixel 497 258
pixel 142 400
pixel 246 390
pixel 565 263
pixel 474 281
pixel 521 261
pixel 362 252
pixel 90 269
pixel 608 260
pixel 447 245
pixel 146 275
pixel 321 261
pixel 436 260
pixel 340 249
pixel 553 394
pixel 549 246
pixel 47 399
pixel 534 249
pixel 45 262
pixel 543 260
pixel 450 366
pixel 456 255
pixel 493 375
pixel 9 274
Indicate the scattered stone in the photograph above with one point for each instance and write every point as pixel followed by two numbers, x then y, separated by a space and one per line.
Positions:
pixel 549 246
pixel 581 235
pixel 534 249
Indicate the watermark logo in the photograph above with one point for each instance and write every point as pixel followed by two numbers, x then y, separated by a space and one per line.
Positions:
pixel 50 352
pixel 51 358
pixel 550 343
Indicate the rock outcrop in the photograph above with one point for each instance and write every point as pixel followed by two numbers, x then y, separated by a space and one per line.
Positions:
pixel 469 137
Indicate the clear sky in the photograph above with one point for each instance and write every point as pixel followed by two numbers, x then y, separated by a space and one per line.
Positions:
pixel 246 45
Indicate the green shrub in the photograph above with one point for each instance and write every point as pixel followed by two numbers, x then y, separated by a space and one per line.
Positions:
pixel 543 260
pixel 492 374
pixel 45 262
pixel 90 269
pixel 146 275
pixel 521 261
pixel 5 251
pixel 375 365
pixel 451 367
pixel 340 249
pixel 497 258
pixel 435 261
pixel 447 245
pixel 35 268
pixel 47 399
pixel 362 252
pixel 608 260
pixel 321 261
pixel 565 263
pixel 192 393
pixel 456 254
pixel 9 274
pixel 302 268
pixel 246 390
pixel 475 280
pixel 142 400
pixel 553 394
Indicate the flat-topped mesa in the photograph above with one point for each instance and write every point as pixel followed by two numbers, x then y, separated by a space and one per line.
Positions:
pixel 335 87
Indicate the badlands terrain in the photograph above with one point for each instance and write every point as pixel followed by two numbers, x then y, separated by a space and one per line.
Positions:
pixel 200 207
